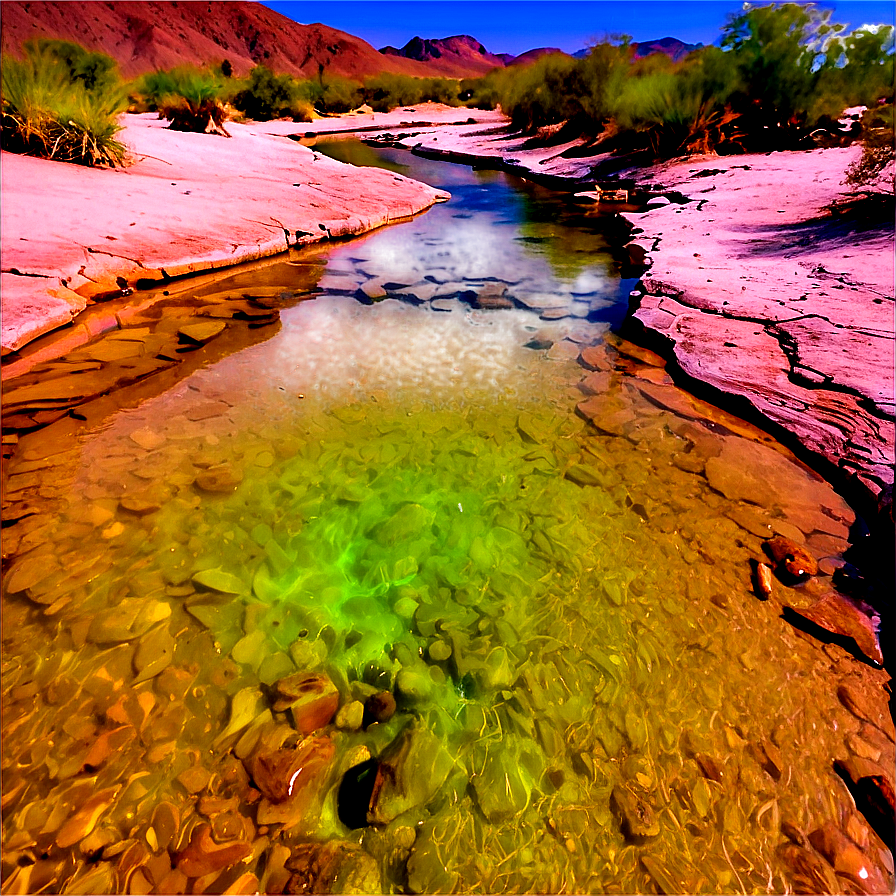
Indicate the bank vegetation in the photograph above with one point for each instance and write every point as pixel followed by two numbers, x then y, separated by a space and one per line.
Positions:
pixel 779 78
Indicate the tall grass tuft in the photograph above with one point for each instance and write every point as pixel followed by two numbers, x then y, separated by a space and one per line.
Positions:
pixel 49 113
pixel 191 99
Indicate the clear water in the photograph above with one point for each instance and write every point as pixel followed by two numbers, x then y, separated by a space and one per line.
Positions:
pixel 400 493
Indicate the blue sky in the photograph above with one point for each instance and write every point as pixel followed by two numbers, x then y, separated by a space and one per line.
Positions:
pixel 514 26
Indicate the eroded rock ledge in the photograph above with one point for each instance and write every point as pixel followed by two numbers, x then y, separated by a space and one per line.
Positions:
pixel 759 292
pixel 190 203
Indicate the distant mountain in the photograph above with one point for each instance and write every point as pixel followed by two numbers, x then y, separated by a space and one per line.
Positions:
pixel 144 36
pixel 460 56
pixel 531 55
pixel 672 47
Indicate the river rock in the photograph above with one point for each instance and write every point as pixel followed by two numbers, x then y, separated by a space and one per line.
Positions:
pixel 596 357
pixel 502 788
pixel 336 866
pixel 562 351
pixel 409 773
pixel 408 523
pixel 847 859
pixel 809 873
pixel 840 616
pixel 350 717
pixel 221 479
pixel 795 560
pixel 84 820
pixel 203 855
pixel 131 618
pixel 200 333
pixel 869 706
pixel 311 698
pixel 379 707
pixel 635 814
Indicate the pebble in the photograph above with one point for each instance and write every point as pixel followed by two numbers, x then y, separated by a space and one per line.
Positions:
pixel 350 716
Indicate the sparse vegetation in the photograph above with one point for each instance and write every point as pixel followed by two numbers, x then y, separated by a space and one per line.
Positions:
pixel 874 172
pixel 781 71
pixel 61 102
pixel 191 99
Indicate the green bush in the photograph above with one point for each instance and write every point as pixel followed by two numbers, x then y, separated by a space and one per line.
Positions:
pixel 386 91
pixel 266 95
pixel 191 99
pixel 55 108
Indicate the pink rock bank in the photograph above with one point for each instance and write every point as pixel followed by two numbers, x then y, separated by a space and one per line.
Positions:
pixel 191 202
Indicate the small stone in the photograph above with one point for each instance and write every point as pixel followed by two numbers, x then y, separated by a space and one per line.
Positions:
pixel 635 814
pixel 582 475
pixel 219 479
pixel 351 716
pixel 379 707
pixel 336 866
pixel 409 773
pixel 79 825
pixel 595 357
pixel 827 566
pixel 311 698
pixel 562 351
pixel 838 615
pixel 147 438
pixel 794 559
pixel 762 581
pixel 439 651
pixel 203 856
pixel 413 685
pixel 194 779
pixel 220 580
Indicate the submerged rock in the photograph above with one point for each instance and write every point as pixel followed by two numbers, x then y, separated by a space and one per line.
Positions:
pixel 203 855
pixel 636 816
pixel 311 698
pixel 409 773
pixel 792 559
pixel 336 866
pixel 839 616
pixel 379 707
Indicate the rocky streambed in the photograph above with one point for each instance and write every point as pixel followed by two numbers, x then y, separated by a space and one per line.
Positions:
pixel 394 569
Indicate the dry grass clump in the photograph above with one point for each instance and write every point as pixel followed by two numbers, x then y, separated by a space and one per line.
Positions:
pixel 50 112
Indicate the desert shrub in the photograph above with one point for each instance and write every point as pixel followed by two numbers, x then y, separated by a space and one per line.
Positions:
pixel 191 99
pixel 93 70
pixel 386 91
pixel 549 91
pixel 681 108
pixel 334 94
pixel 874 171
pixel 48 109
pixel 265 95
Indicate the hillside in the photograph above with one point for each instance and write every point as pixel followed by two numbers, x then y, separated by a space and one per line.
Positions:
pixel 144 36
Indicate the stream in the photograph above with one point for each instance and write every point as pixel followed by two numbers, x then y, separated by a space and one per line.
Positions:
pixel 414 576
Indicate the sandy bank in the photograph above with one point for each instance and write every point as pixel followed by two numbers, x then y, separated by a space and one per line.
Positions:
pixel 191 202
pixel 783 310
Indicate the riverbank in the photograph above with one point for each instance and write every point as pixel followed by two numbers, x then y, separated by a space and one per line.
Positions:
pixel 761 296
pixel 188 203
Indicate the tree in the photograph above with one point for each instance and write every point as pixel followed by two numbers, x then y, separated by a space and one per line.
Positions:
pixel 779 53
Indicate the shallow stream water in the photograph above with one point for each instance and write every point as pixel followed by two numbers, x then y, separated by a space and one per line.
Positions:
pixel 445 478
